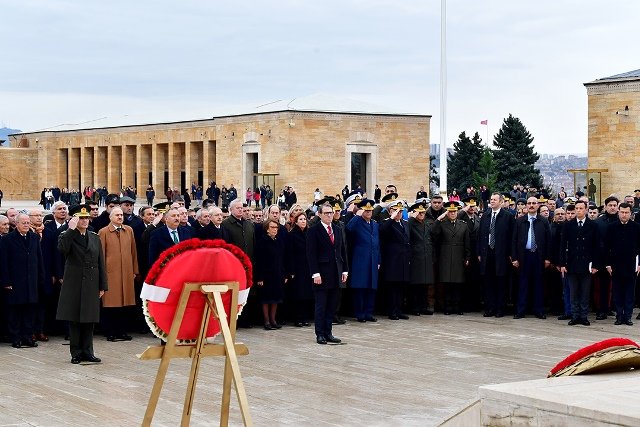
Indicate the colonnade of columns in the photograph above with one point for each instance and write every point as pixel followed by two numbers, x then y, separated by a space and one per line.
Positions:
pixel 173 164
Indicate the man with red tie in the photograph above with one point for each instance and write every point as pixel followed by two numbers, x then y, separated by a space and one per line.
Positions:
pixel 326 255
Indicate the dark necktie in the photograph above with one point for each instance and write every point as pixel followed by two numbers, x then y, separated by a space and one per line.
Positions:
pixel 492 231
pixel 580 223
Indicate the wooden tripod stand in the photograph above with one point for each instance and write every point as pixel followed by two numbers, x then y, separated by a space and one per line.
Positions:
pixel 213 293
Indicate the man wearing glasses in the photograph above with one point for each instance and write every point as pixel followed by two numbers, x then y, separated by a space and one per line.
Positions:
pixel 531 254
pixel 326 255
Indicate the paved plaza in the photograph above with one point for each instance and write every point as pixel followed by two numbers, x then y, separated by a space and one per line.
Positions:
pixel 390 373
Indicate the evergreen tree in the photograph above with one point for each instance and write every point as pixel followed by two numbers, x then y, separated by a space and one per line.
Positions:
pixel 514 156
pixel 486 173
pixel 463 161
pixel 433 173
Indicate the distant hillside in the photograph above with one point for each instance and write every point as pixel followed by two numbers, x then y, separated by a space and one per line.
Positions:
pixel 4 134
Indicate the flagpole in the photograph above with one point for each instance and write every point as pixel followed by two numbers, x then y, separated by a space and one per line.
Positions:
pixel 443 99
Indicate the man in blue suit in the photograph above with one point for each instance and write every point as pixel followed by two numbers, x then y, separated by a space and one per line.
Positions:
pixel 326 255
pixel 168 235
pixel 365 261
pixel 531 254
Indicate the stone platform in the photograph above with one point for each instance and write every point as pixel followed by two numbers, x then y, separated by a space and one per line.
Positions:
pixel 416 372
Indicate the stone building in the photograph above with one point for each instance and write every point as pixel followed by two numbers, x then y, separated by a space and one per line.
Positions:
pixel 304 149
pixel 614 132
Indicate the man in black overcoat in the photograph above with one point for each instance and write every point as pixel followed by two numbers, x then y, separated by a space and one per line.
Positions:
pixel 395 259
pixel 493 248
pixel 622 254
pixel 327 258
pixel 580 258
pixel 21 275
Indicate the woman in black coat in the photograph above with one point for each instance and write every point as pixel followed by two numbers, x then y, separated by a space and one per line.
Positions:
pixel 300 284
pixel 270 272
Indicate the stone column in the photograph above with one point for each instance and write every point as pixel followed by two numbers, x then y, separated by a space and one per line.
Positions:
pixel 74 168
pixel 188 170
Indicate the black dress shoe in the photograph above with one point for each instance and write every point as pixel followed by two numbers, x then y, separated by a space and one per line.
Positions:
pixel 564 317
pixel 446 313
pixel 276 326
pixel 518 316
pixel 638 316
pixel 488 314
pixel 601 316
pixel 585 322
pixel 331 338
pixel 306 324
pixel 362 320
pixel 573 322
pixel 403 317
pixel 338 322
pixel 393 318
pixel 15 344
pixel 30 343
pixel 618 322
pixel 460 313
pixel 75 360
pixel 125 337
pixel 111 338
pixel 321 340
pixel 628 322
pixel 298 325
pixel 371 319
pixel 541 316
pixel 268 327
pixel 415 313
pixel 92 358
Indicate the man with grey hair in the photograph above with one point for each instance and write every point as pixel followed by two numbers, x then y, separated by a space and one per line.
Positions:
pixel 4 225
pixel 21 276
pixel 121 264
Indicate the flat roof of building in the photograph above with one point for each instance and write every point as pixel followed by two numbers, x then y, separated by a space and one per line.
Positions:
pixel 320 103
pixel 627 76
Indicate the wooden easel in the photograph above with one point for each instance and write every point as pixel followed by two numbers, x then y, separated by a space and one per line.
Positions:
pixel 230 349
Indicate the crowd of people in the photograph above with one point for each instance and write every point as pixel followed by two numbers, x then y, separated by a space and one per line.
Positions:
pixel 518 252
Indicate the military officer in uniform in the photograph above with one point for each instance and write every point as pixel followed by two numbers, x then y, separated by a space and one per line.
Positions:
pixel 422 294
pixel 454 253
pixel 396 257
pixel 84 283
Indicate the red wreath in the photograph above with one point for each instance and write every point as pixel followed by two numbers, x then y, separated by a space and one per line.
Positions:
pixel 194 260
pixel 591 357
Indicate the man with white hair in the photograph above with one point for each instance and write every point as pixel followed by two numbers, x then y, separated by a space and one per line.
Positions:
pixel 4 225
pixel 121 262
pixel 241 232
pixel 21 275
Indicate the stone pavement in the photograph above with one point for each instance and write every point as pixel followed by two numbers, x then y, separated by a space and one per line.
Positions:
pixel 390 373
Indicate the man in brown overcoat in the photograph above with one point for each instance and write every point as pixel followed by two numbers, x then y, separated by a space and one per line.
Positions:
pixel 121 261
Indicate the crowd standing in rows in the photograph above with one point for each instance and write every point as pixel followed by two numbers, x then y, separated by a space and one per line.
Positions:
pixel 347 253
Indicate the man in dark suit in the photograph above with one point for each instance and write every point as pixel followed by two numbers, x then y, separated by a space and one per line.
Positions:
pixel 531 254
pixel 472 295
pixel 493 248
pixel 622 252
pixel 168 235
pixel 214 230
pixel 579 259
pixel 21 275
pixel 327 258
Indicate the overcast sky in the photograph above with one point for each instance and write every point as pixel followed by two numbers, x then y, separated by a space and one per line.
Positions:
pixel 78 61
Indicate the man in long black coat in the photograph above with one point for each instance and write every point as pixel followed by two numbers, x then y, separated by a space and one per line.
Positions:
pixel 422 260
pixel 493 248
pixel 327 258
pixel 395 259
pixel 622 251
pixel 580 258
pixel 85 281
pixel 22 274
